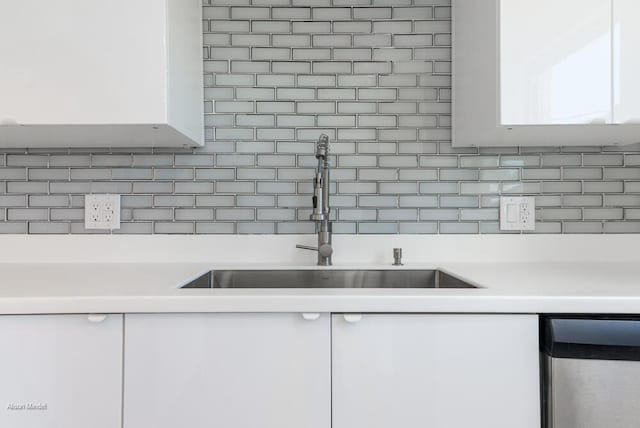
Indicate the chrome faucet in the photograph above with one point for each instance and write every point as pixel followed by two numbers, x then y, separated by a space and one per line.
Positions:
pixel 321 207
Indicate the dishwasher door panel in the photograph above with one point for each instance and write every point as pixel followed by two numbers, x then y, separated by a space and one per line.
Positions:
pixel 593 393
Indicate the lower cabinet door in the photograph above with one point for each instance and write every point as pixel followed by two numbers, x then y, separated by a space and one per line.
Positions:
pixel 435 371
pixel 61 371
pixel 227 371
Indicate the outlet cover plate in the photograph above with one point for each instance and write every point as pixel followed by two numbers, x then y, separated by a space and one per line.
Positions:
pixel 102 212
pixel 518 213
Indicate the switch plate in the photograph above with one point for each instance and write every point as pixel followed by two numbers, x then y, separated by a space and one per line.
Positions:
pixel 518 213
pixel 102 212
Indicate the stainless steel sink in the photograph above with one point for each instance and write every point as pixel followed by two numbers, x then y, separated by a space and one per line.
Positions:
pixel 327 279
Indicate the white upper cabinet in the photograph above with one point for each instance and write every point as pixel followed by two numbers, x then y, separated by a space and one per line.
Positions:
pixel 544 72
pixel 626 61
pixel 547 72
pixel 101 73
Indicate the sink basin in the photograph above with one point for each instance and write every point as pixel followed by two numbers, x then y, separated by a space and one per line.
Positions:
pixel 327 279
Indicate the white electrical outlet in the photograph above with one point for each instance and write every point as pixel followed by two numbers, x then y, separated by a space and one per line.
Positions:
pixel 102 211
pixel 518 213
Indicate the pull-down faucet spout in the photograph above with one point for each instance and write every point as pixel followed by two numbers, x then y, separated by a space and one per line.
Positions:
pixel 321 208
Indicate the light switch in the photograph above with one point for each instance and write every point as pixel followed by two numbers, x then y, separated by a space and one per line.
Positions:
pixel 517 213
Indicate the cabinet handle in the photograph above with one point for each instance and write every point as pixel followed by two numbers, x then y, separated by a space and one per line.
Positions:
pixel 352 318
pixel 310 316
pixel 96 318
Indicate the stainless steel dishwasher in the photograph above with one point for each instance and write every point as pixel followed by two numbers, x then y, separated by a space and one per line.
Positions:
pixel 591 371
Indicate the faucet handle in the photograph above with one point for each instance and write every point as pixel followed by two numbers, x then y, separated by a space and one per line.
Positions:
pixel 306 247
pixel 325 250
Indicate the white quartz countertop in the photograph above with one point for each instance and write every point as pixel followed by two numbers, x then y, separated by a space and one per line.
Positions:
pixel 37 288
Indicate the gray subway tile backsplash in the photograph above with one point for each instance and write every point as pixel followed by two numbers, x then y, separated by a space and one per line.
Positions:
pixel 373 74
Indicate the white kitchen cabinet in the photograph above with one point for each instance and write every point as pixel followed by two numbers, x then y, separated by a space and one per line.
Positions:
pixel 435 371
pixel 101 73
pixel 60 371
pixel 227 370
pixel 626 66
pixel 545 73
